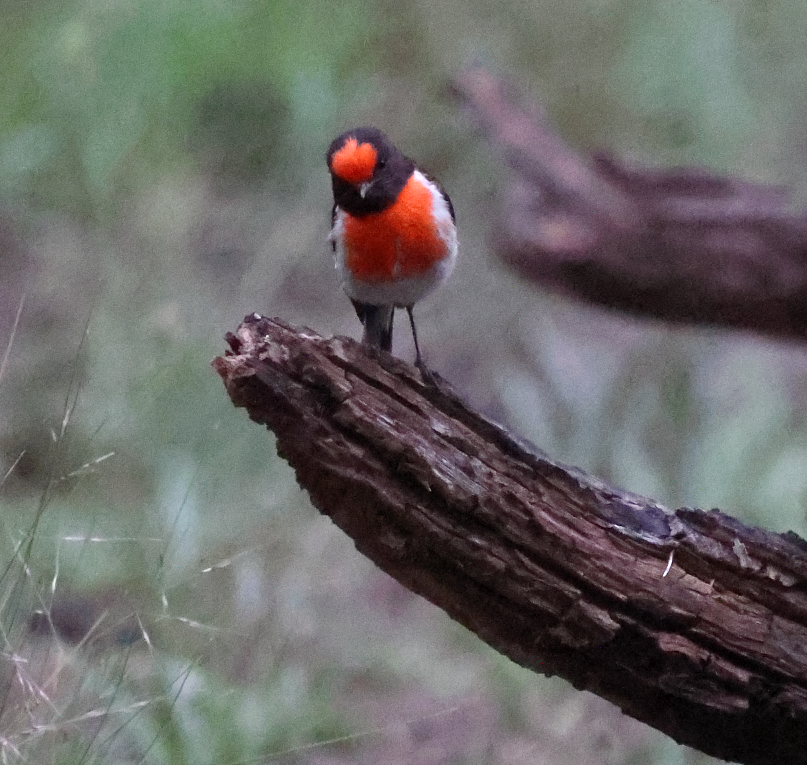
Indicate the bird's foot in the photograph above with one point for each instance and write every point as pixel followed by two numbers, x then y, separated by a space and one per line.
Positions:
pixel 429 378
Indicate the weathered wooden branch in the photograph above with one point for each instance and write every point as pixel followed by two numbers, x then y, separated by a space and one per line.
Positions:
pixel 688 620
pixel 681 244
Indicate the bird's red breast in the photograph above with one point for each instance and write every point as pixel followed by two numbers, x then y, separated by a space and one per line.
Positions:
pixel 399 242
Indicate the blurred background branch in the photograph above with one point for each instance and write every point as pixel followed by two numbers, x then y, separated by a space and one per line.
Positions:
pixel 681 244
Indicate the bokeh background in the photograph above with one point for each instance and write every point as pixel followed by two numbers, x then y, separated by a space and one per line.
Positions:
pixel 167 593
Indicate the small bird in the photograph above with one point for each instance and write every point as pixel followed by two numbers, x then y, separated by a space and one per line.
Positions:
pixel 393 232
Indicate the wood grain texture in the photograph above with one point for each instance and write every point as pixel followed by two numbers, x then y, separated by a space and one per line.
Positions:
pixel 554 568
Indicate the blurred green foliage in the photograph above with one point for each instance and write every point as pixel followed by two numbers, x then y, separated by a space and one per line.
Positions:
pixel 161 175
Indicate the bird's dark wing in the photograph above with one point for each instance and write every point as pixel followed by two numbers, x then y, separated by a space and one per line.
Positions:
pixel 444 193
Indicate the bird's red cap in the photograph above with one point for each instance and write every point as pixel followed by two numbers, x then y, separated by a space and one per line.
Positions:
pixel 354 162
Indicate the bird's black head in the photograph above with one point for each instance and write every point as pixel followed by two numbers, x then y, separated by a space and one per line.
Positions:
pixel 367 171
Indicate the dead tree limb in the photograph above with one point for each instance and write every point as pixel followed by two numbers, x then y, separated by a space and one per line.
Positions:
pixel 688 620
pixel 681 244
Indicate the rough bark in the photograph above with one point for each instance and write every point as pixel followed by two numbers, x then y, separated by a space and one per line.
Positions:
pixel 688 620
pixel 681 244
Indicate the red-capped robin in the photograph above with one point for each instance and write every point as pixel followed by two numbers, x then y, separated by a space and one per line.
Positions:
pixel 392 231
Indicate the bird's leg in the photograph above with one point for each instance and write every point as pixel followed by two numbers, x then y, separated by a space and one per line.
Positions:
pixel 425 372
pixel 387 344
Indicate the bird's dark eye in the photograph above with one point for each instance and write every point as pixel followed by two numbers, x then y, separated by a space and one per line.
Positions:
pixel 382 163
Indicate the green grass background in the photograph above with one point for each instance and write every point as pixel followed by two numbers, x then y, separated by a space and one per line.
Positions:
pixel 161 175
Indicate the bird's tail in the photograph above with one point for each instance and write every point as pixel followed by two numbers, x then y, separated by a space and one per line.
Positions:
pixel 377 321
